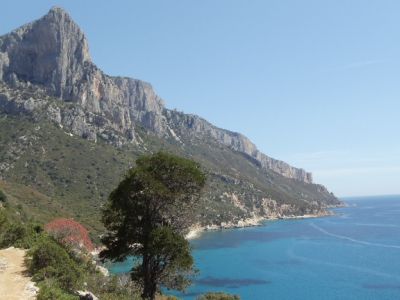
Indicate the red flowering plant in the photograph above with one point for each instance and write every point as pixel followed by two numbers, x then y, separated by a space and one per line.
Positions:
pixel 71 233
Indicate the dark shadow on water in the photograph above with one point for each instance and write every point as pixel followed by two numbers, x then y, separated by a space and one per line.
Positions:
pixel 230 282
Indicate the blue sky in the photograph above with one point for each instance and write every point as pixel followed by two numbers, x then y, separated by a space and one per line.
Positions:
pixel 313 83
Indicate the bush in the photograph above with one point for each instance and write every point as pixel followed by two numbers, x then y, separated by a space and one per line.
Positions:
pixel 218 296
pixel 49 260
pixel 17 234
pixel 70 233
pixel 112 287
pixel 3 197
pixel 3 220
pixel 52 292
pixel 12 235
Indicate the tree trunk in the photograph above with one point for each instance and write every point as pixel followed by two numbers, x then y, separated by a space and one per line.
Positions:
pixel 149 285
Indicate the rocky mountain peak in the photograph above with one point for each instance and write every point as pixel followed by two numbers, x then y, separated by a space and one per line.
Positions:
pixel 58 13
pixel 45 52
pixel 70 39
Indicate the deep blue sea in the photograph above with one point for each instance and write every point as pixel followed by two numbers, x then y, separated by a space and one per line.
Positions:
pixel 352 255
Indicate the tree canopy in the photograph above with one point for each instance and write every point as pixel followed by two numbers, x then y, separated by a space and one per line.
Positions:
pixel 146 216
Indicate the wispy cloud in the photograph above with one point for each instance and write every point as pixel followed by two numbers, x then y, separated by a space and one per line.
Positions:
pixel 317 155
pixel 357 65
pixel 357 171
pixel 346 157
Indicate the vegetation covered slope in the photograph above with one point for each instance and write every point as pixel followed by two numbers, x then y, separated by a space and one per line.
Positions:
pixel 73 176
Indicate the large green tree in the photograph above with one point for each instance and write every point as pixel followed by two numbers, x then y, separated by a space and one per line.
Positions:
pixel 146 216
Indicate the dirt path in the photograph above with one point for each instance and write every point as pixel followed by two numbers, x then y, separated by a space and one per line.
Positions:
pixel 14 284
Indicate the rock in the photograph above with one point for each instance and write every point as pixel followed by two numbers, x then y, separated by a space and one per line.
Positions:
pixel 31 289
pixel 103 270
pixel 86 295
pixel 3 264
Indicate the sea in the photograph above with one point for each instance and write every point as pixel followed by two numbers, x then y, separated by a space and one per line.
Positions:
pixel 354 254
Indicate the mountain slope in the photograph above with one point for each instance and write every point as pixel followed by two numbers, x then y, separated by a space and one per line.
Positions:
pixel 71 132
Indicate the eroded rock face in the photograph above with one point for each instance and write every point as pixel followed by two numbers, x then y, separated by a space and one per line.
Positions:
pixel 52 53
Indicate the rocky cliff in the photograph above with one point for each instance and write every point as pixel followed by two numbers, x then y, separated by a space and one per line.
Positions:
pixel 51 55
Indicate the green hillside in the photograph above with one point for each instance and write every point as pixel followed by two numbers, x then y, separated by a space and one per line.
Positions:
pixel 51 172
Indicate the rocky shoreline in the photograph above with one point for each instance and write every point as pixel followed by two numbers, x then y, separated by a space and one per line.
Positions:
pixel 196 230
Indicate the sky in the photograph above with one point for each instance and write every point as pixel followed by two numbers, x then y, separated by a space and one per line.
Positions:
pixel 314 83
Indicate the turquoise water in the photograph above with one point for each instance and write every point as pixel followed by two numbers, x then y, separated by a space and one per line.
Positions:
pixel 352 255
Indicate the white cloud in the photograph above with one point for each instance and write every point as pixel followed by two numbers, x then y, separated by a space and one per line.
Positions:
pixel 356 171
pixel 353 171
pixel 357 65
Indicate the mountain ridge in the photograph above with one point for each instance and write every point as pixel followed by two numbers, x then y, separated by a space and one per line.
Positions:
pixel 115 103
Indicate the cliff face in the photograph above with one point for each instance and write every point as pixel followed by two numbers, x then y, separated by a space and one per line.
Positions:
pixel 52 54
pixel 193 126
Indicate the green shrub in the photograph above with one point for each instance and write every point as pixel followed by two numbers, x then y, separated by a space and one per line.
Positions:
pixel 3 197
pixel 3 220
pixel 49 260
pixel 12 234
pixel 49 291
pixel 17 234
pixel 218 296
pixel 4 225
pixel 112 287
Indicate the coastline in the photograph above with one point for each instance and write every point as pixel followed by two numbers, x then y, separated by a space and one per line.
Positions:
pixel 196 230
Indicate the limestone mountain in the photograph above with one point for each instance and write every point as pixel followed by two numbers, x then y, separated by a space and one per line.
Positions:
pixel 48 80
pixel 53 54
